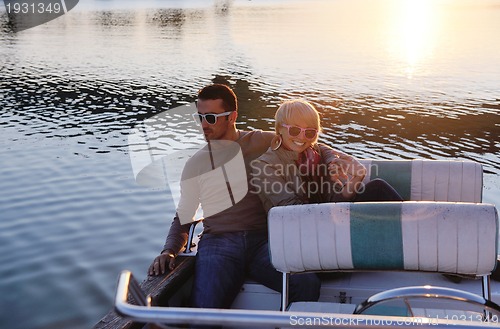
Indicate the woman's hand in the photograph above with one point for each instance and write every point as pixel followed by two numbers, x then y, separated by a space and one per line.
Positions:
pixel 348 172
pixel 160 263
pixel 338 171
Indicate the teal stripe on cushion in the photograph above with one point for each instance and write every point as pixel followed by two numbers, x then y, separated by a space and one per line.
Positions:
pixel 396 173
pixel 376 236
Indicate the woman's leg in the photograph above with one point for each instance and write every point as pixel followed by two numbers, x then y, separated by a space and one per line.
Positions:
pixel 378 190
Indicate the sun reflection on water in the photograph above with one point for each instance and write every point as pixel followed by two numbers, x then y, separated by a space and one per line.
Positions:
pixel 415 30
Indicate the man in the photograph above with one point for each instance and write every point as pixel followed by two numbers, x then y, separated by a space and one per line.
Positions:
pixel 234 243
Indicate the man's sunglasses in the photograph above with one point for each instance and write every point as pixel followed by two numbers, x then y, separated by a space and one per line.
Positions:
pixel 294 131
pixel 209 118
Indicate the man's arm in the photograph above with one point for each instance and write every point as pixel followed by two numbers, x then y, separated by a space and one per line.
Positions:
pixel 178 233
pixel 176 240
pixel 177 236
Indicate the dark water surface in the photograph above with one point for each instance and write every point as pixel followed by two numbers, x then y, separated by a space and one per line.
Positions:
pixel 392 79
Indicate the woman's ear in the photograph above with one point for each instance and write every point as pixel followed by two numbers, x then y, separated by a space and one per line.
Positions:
pixel 276 142
pixel 279 131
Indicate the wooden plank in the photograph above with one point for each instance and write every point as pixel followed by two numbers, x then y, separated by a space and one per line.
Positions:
pixel 160 288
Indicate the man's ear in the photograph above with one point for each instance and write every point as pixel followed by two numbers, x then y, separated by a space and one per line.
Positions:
pixel 233 116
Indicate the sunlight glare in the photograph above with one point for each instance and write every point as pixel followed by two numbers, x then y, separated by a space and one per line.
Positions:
pixel 416 33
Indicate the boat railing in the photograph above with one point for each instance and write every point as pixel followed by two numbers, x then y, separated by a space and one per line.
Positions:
pixel 269 319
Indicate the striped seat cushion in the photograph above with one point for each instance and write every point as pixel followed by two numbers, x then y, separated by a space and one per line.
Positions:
pixel 430 180
pixel 441 237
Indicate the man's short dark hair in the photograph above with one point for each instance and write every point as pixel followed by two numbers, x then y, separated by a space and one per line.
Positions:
pixel 220 91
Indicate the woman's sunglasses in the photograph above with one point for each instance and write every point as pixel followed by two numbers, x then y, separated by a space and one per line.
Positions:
pixel 294 131
pixel 210 118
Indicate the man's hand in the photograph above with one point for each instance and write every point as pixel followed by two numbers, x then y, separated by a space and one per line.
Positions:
pixel 160 263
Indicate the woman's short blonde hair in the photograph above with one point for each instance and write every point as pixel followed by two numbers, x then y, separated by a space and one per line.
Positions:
pixel 297 112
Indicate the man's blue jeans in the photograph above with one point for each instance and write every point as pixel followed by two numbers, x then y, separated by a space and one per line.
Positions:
pixel 225 260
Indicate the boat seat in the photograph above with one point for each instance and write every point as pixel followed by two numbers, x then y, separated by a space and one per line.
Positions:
pixel 430 180
pixel 441 237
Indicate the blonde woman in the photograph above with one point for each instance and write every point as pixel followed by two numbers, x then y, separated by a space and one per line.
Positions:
pixel 296 169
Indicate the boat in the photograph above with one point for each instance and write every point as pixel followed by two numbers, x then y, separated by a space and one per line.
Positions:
pixel 426 262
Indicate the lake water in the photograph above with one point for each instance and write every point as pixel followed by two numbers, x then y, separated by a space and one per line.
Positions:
pixel 392 79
